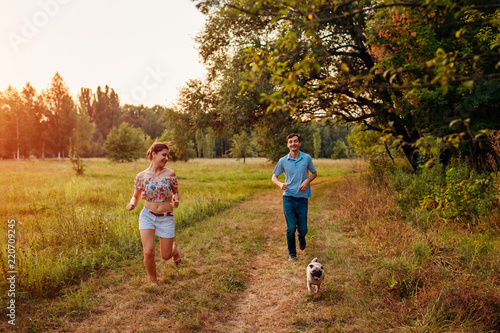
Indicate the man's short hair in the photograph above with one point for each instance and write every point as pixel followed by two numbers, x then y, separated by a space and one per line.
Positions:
pixel 291 135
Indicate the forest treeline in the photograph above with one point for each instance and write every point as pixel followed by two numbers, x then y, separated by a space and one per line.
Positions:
pixel 45 124
pixel 416 79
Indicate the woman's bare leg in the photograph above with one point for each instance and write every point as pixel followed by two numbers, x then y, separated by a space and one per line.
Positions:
pixel 148 247
pixel 176 255
pixel 169 249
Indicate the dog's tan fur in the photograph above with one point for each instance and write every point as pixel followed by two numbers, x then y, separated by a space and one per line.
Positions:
pixel 314 268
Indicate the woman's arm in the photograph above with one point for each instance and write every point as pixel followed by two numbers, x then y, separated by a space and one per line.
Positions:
pixel 175 197
pixel 135 200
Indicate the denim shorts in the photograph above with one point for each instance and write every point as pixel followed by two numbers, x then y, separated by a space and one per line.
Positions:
pixel 164 226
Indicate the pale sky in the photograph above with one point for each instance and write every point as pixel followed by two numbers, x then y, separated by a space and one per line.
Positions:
pixel 144 50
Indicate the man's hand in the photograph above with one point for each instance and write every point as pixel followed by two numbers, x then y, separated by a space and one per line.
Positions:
pixel 284 186
pixel 304 185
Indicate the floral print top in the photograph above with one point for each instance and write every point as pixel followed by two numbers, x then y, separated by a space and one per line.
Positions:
pixel 156 189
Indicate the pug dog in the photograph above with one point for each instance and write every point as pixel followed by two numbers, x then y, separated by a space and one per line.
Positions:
pixel 315 275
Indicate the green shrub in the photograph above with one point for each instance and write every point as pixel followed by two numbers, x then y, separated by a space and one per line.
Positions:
pixel 125 144
pixel 467 194
pixel 454 192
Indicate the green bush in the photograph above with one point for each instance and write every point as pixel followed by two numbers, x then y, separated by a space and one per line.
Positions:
pixel 125 144
pixel 467 194
pixel 454 192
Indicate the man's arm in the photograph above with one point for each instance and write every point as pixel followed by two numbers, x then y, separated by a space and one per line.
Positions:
pixel 277 182
pixel 306 182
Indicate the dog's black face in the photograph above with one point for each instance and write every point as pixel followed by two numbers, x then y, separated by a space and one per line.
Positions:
pixel 316 272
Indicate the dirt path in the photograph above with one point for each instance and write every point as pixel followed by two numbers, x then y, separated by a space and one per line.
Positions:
pixel 277 288
pixel 274 288
pixel 266 301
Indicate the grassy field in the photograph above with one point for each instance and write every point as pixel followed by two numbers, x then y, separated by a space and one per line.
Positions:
pixel 69 226
pixel 80 265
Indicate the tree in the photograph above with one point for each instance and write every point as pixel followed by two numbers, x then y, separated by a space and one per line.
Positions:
pixel 222 145
pixel 4 126
pixel 340 150
pixel 103 108
pixel 330 133
pixel 34 130
pixel 199 136
pixel 209 144
pixel 189 120
pixel 149 119
pixel 125 144
pixel 178 132
pixel 216 101
pixel 317 143
pixel 456 53
pixel 366 143
pixel 75 158
pixel 22 123
pixel 61 114
pixel 12 113
pixel 83 133
pixel 270 140
pixel 325 60
pixel 152 124
pixel 241 146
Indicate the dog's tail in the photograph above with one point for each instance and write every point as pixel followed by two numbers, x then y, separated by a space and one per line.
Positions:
pixel 314 260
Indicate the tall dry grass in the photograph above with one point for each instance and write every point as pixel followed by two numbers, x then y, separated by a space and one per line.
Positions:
pixel 441 278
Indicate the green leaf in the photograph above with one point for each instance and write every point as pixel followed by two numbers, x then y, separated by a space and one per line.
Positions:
pixel 468 84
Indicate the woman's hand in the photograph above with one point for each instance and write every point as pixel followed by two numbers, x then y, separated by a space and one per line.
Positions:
pixel 130 206
pixel 175 200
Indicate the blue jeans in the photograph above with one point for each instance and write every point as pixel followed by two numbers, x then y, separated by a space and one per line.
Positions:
pixel 295 210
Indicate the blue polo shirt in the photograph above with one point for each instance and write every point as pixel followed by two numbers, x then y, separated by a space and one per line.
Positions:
pixel 296 171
